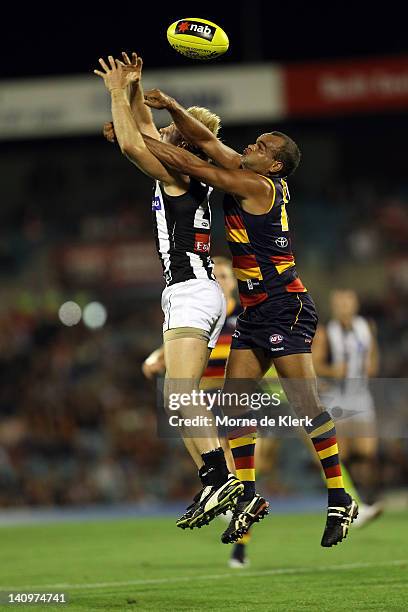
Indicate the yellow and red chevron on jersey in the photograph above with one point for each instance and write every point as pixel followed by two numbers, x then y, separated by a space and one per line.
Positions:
pixel 235 229
pixel 262 257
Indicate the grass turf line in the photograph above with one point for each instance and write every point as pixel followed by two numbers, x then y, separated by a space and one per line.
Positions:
pixel 175 568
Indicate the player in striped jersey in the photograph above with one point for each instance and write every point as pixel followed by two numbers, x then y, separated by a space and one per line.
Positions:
pixel 213 377
pixel 192 301
pixel 279 320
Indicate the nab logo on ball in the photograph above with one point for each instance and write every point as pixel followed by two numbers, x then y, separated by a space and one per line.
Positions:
pixel 197 38
pixel 194 28
pixel 275 339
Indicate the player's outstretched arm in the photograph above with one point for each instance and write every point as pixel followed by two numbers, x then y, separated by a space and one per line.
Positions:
pixel 194 131
pixel 141 112
pixel 128 136
pixel 252 188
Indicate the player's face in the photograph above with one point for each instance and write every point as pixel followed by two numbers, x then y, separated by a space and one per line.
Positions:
pixel 261 157
pixel 226 278
pixel 344 304
pixel 170 135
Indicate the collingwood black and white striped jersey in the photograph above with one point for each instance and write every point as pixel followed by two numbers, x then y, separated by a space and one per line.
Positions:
pixel 350 346
pixel 182 226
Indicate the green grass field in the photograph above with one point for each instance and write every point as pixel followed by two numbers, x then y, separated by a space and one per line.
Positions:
pixel 151 565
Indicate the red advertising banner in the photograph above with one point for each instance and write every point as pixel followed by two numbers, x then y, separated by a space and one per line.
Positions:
pixel 346 86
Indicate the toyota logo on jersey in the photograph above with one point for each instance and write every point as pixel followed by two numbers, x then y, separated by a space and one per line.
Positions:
pixel 281 242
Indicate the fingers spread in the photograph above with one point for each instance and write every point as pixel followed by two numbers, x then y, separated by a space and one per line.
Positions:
pixel 126 57
pixel 102 63
pixel 112 62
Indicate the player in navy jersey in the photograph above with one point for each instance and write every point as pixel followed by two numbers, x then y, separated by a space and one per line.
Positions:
pixel 192 301
pixel 279 320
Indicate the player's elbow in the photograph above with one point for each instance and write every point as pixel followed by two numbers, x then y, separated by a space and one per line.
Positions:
pixel 126 147
pixel 130 150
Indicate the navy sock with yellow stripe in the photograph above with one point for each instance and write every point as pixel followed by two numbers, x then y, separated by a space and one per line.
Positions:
pixel 322 433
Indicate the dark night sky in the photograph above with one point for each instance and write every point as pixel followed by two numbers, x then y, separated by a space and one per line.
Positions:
pixel 68 38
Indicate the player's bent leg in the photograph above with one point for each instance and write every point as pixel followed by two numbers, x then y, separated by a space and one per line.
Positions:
pixel 186 358
pixel 249 366
pixel 298 379
pixel 365 449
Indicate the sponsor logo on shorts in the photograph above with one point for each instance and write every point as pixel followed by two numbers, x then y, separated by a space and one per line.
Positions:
pixel 236 334
pixel 195 28
pixel 280 348
pixel 202 243
pixel 281 242
pixel 156 204
pixel 308 340
pixel 275 339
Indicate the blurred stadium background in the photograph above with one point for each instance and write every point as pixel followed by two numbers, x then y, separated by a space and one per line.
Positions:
pixel 77 425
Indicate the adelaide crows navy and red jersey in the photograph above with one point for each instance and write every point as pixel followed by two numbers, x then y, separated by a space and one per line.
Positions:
pixel 261 249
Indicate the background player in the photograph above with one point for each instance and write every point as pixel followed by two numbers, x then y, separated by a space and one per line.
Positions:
pixel 346 350
pixel 192 302
pixel 279 317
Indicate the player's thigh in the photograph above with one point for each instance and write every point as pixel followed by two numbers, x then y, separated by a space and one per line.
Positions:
pixel 298 366
pixel 247 363
pixel 186 358
pixel 298 379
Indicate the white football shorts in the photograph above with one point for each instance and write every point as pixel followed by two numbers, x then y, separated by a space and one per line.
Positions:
pixel 198 303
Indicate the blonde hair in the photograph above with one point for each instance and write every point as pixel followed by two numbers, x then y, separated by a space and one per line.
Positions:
pixel 206 117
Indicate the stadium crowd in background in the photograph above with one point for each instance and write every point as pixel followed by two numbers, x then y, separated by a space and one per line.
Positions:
pixel 74 406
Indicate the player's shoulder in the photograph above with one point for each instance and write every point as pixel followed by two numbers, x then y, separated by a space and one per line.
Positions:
pixel 362 325
pixel 279 188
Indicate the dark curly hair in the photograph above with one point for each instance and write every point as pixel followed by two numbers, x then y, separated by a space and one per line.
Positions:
pixel 289 154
